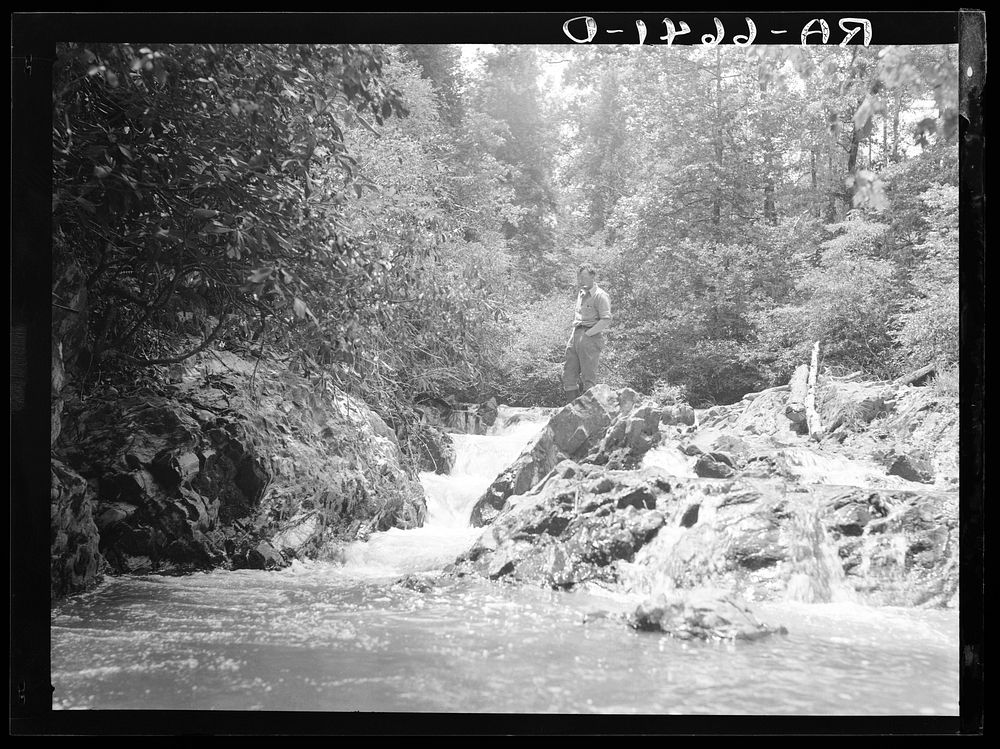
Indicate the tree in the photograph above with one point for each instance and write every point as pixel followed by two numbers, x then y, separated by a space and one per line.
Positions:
pixel 181 180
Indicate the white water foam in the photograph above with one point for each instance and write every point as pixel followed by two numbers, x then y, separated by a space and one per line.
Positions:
pixel 670 460
pixel 446 532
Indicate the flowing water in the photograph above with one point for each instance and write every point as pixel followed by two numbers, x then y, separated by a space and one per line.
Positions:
pixel 341 637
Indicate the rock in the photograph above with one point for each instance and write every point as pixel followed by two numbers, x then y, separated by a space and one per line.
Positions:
pixel 531 466
pixel 703 615
pixel 760 538
pixel 573 527
pixel 176 467
pixel 261 556
pixel 300 535
pixel 487 412
pixel 174 473
pixel 908 556
pixel 708 467
pixel 70 320
pixel 75 558
pixel 581 424
pixel 721 457
pixel 765 414
pixel 415 583
pixel 602 426
pixel 912 468
pixel 678 414
pixel 436 450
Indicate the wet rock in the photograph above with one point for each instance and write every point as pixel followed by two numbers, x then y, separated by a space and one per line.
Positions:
pixel 436 450
pixel 572 527
pixel 909 556
pixel 538 459
pixel 760 538
pixel 487 412
pixel 173 473
pixel 628 437
pixel 602 426
pixel 449 415
pixel 301 534
pixel 702 615
pixel 416 583
pixel 260 556
pixel 708 467
pixel 75 559
pixel 722 457
pixel 912 468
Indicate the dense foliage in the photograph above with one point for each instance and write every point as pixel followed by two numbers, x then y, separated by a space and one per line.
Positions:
pixel 403 221
pixel 744 203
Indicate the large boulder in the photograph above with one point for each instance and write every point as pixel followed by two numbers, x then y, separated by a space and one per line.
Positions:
pixel 221 467
pixel 572 527
pixel 603 426
pixel 75 559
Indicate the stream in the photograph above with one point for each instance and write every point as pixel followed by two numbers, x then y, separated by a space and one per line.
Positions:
pixel 325 636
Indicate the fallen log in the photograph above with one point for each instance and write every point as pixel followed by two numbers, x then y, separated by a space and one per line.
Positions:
pixel 813 423
pixel 916 376
pixel 799 386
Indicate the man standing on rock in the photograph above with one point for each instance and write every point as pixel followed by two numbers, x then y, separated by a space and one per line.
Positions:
pixel 583 350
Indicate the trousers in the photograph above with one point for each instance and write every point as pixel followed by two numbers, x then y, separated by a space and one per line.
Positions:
pixel 583 354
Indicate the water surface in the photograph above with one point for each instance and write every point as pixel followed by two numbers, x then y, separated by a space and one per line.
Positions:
pixel 342 637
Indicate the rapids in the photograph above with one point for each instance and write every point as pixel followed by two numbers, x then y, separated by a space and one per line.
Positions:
pixel 322 636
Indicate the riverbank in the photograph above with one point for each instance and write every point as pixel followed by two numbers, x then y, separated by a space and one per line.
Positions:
pixel 227 464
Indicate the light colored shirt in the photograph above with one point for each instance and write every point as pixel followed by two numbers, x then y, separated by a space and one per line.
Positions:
pixel 592 306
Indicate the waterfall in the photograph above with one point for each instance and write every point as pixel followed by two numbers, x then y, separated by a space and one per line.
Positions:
pixel 816 573
pixel 446 533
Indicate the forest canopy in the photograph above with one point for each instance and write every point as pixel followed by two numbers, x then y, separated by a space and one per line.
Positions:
pixel 404 221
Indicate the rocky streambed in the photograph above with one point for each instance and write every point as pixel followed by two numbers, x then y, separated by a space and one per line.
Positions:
pixel 630 556
pixel 623 494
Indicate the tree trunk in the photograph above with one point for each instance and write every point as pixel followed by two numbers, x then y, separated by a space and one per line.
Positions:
pixel 799 387
pixel 817 208
pixel 895 127
pixel 770 210
pixel 831 206
pixel 852 165
pixel 717 201
pixel 812 417
pixel 916 376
